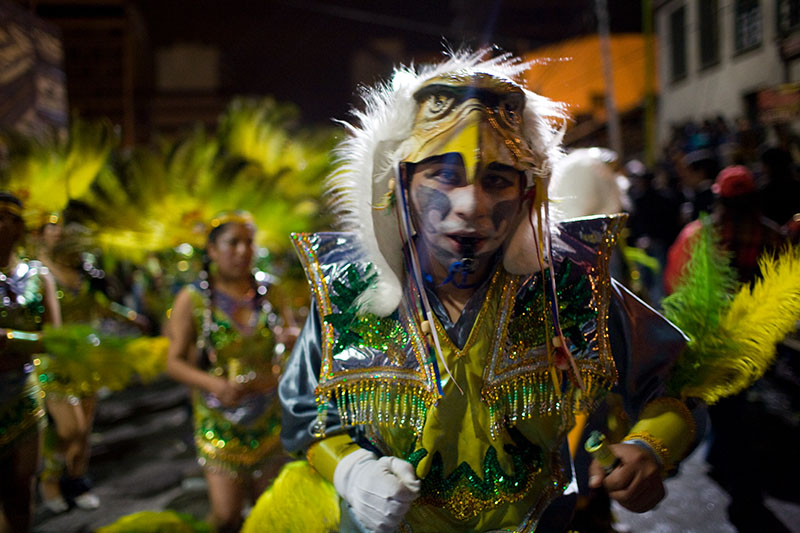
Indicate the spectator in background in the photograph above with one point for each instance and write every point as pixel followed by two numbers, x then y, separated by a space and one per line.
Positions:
pixel 783 136
pixel 723 139
pixel 654 221
pixel 743 229
pixel 748 138
pixel 697 173
pixel 737 458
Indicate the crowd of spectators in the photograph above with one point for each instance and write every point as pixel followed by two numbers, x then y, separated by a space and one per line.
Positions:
pixel 666 198
pixel 746 179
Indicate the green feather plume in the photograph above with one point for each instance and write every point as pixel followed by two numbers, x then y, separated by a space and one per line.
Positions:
pixel 732 329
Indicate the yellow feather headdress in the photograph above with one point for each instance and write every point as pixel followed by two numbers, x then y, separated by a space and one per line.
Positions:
pixel 46 174
pixel 159 197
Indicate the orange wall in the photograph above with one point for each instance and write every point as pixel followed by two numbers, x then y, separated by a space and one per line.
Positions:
pixel 572 72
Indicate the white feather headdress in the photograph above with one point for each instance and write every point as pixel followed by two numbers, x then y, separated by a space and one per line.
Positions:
pixel 369 157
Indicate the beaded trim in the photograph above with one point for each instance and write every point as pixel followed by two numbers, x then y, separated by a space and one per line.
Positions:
pixel 601 282
pixel 236 462
pixel 655 444
pixel 383 402
pixel 530 395
pixel 390 396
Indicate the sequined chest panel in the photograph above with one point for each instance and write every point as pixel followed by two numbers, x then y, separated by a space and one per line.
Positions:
pixel 21 298
pixel 230 353
pixel 380 370
pixel 239 439
pixel 21 311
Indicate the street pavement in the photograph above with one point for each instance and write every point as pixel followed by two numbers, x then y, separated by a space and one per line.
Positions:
pixel 143 459
pixel 696 504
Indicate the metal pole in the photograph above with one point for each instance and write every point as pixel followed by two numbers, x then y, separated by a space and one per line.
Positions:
pixel 612 117
pixel 650 137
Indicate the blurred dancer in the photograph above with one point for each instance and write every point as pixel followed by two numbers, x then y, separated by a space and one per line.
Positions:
pixel 73 371
pixel 222 344
pixel 27 301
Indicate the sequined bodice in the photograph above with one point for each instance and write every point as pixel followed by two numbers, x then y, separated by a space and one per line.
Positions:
pixel 21 298
pixel 78 306
pixel 234 352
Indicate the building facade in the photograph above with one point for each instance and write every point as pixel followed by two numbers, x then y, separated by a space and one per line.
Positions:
pixel 720 57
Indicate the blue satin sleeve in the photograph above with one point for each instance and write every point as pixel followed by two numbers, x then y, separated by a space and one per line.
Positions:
pixel 646 346
pixel 296 390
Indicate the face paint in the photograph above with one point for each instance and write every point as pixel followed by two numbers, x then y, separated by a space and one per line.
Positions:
pixel 463 223
pixel 434 203
pixel 503 212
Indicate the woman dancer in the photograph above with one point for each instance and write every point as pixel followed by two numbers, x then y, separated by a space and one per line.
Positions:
pixel 69 376
pixel 27 301
pixel 222 344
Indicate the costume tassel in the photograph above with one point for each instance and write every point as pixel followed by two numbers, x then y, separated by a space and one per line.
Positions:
pixel 416 271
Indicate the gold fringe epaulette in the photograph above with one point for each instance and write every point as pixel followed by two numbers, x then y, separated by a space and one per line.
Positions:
pixel 381 402
pixel 529 395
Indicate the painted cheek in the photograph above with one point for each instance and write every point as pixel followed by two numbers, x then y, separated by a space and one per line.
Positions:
pixel 434 205
pixel 503 212
pixel 431 219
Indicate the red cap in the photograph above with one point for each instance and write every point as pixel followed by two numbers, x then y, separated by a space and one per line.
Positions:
pixel 735 180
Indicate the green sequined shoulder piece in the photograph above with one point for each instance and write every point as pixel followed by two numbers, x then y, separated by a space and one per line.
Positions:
pixel 527 328
pixel 364 330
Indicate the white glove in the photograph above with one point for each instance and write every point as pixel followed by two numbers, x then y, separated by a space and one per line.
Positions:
pixel 380 491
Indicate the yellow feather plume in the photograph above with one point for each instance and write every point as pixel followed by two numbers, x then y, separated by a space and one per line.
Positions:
pixel 757 319
pixel 298 500
pixel 157 198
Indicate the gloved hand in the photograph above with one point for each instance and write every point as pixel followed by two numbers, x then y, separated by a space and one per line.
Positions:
pixel 380 491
